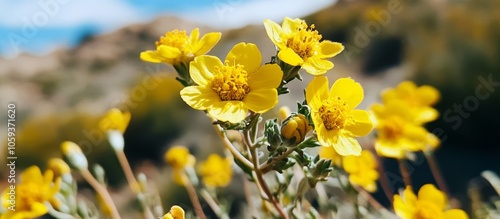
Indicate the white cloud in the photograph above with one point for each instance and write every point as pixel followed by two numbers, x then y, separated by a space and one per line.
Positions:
pixel 235 13
pixel 67 13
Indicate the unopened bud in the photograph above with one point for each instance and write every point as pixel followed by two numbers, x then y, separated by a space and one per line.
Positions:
pixel 295 128
pixel 115 138
pixel 74 155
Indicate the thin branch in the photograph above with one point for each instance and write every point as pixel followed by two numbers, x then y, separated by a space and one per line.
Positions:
pixel 101 190
pixel 193 196
pixel 260 179
pixel 431 160
pixel 404 172
pixel 127 170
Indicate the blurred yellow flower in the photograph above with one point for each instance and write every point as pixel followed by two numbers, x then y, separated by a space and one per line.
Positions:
pixel 216 171
pixel 335 120
pixel 176 47
pixel 295 128
pixel 115 120
pixel 283 113
pixel 362 170
pixel 330 153
pixel 175 212
pixel 32 194
pixel 228 90
pixel 420 99
pixel 299 45
pixel 397 133
pixel 430 204
pixel 179 157
pixel 58 167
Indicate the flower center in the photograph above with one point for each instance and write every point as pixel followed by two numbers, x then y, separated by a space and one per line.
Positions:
pixel 334 113
pixel 393 127
pixel 304 40
pixel 175 38
pixel 230 82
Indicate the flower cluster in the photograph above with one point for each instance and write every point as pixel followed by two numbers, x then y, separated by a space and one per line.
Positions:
pixel 400 120
pixel 314 147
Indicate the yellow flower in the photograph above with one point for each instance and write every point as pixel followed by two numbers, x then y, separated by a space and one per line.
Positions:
pixel 179 157
pixel 175 212
pixel 32 194
pixel 397 133
pixel 176 47
pixel 299 45
pixel 362 170
pixel 114 124
pixel 329 153
pixel 115 120
pixel 335 120
pixel 216 171
pixel 420 99
pixel 430 204
pixel 227 91
pixel 295 128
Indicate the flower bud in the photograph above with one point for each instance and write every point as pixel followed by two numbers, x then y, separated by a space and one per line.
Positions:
pixel 116 140
pixel 175 212
pixel 272 133
pixel 58 166
pixel 74 155
pixel 295 128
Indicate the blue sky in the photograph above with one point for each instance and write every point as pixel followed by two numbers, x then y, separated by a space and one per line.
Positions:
pixel 40 26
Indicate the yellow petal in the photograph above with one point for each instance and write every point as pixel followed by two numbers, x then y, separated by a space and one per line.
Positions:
pixel 390 149
pixel 348 90
pixel 37 209
pixel 403 209
pixel 206 43
pixel 317 66
pixel 32 174
pixel 291 25
pixel 428 95
pixel 350 164
pixel 246 54
pixel 317 91
pixel 430 193
pixel 268 76
pixel 194 36
pixel 230 111
pixel 426 114
pixel 289 56
pixel 274 32
pixel 347 146
pixel 169 52
pixel 261 100
pixel 202 69
pixel 455 214
pixel 199 97
pixel 329 49
pixel 151 56
pixel 361 123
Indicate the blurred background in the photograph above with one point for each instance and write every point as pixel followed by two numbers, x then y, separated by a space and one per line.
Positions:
pixel 66 62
